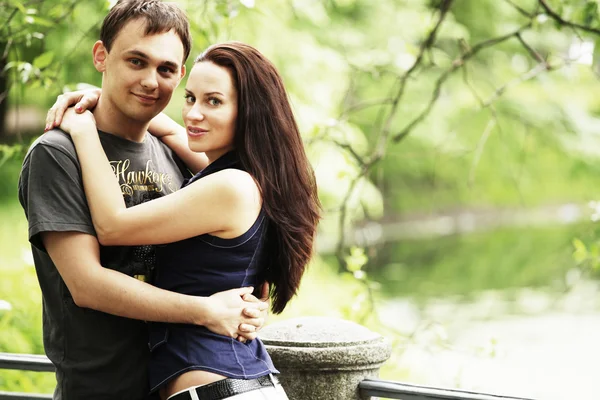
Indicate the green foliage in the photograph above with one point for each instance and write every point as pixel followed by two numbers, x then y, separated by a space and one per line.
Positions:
pixel 586 245
pixel 10 166
pixel 20 303
pixel 44 45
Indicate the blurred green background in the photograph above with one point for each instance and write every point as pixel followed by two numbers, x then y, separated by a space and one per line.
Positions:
pixel 456 148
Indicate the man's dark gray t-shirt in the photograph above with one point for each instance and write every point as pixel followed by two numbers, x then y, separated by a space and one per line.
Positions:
pixel 97 355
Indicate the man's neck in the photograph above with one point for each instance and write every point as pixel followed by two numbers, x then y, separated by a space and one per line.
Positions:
pixel 110 120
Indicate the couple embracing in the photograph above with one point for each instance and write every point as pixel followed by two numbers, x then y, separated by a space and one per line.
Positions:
pixel 154 242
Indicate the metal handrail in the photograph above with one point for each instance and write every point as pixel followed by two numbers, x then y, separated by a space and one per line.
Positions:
pixel 368 387
pixel 405 391
pixel 25 362
pixel 24 396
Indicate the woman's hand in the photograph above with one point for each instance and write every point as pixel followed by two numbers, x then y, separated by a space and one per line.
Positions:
pixel 82 99
pixel 163 126
pixel 175 137
pixel 253 312
pixel 226 314
pixel 78 124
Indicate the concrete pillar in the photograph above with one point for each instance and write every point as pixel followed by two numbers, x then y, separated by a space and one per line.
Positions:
pixel 324 358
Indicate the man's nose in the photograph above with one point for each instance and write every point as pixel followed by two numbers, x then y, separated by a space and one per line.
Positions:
pixel 150 82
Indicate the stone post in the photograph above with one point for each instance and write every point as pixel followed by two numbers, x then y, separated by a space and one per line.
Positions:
pixel 324 358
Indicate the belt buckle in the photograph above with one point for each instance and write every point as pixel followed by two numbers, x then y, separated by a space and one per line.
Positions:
pixel 274 381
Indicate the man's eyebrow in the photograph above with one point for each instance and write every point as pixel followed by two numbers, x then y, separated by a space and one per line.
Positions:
pixel 143 55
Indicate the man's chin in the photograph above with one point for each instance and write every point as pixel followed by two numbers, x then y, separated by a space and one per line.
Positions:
pixel 144 115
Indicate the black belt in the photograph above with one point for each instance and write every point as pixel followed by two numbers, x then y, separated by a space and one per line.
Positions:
pixel 227 387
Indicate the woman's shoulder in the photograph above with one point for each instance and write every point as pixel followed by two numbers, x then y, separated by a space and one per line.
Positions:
pixel 229 184
pixel 236 181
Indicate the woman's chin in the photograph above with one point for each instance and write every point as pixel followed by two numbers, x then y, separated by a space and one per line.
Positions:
pixel 196 148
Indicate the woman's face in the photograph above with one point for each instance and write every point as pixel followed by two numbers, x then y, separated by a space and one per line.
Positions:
pixel 210 110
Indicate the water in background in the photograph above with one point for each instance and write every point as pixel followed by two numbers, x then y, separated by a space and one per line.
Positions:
pixel 504 311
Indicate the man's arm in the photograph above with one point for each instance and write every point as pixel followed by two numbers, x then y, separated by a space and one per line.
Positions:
pixel 77 258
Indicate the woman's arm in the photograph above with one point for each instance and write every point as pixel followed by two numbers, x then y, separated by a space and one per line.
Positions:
pixel 170 132
pixel 174 135
pixel 224 203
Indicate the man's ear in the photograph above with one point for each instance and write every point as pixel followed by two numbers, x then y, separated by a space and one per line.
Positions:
pixel 99 53
pixel 182 74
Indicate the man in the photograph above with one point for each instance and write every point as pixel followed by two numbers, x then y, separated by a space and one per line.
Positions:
pixel 94 308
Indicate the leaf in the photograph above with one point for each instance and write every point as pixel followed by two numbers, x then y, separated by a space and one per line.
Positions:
pixel 223 9
pixel 356 260
pixel 596 56
pixel 18 4
pixel 11 64
pixel 580 253
pixel 43 60
pixel 42 21
pixel 590 12
pixel 26 70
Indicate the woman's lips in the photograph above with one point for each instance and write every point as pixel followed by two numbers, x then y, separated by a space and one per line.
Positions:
pixel 196 132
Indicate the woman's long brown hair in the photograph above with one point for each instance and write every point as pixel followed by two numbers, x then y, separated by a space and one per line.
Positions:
pixel 270 148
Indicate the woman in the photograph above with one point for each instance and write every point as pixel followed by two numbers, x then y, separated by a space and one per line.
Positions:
pixel 249 216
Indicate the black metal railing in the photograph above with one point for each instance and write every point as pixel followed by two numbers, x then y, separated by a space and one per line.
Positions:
pixel 368 387
pixel 25 362
pixel 397 390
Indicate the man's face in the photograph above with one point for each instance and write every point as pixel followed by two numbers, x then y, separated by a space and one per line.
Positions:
pixel 140 72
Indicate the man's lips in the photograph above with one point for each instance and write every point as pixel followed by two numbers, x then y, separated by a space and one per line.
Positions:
pixel 196 132
pixel 146 99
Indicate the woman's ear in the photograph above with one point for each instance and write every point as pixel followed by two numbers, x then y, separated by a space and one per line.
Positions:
pixel 99 53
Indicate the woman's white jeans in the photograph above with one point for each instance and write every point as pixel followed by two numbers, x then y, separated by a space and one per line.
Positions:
pixel 267 393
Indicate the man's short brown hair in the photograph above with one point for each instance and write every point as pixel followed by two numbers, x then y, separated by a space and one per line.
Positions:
pixel 160 17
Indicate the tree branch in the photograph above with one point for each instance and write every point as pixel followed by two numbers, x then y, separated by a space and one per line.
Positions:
pixel 350 149
pixel 383 138
pixel 379 149
pixel 367 104
pixel 521 10
pixel 456 64
pixel 532 73
pixel 554 15
pixel 530 49
pixel 10 17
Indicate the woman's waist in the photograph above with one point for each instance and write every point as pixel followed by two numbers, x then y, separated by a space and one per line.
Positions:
pixel 202 283
pixel 179 346
pixel 174 334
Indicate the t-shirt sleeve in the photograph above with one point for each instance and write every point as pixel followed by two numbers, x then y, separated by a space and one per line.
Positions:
pixel 51 192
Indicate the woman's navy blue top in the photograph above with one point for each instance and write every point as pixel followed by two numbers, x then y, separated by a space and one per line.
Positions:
pixel 201 266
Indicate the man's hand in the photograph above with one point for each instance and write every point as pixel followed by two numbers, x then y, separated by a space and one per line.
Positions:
pixel 82 99
pixel 228 311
